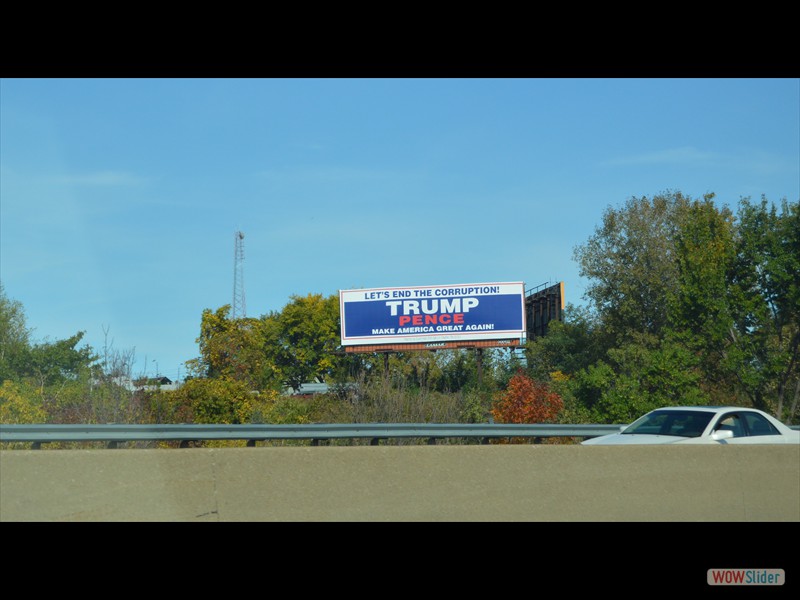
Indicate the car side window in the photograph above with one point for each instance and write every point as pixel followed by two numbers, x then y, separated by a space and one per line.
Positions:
pixel 758 425
pixel 688 425
pixel 731 423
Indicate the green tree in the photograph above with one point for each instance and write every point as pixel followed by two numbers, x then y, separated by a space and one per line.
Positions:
pixel 630 262
pixel 569 346
pixel 59 381
pixel 765 338
pixel 690 305
pixel 14 338
pixel 217 400
pixel 20 404
pixel 420 370
pixel 302 340
pixel 459 369
pixel 648 373
pixel 704 254
pixel 562 357
pixel 231 348
pixel 637 362
pixel 701 308
pixel 51 363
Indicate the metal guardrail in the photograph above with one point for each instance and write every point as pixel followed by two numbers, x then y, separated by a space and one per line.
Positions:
pixel 114 434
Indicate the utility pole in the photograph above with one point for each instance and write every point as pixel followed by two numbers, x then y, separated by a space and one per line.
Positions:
pixel 238 306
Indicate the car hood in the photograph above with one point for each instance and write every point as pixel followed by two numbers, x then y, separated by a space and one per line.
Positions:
pixel 632 438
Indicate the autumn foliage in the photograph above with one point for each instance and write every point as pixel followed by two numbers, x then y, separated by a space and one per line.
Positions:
pixel 526 401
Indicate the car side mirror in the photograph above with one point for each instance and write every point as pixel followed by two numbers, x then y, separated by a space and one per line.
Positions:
pixel 622 428
pixel 722 434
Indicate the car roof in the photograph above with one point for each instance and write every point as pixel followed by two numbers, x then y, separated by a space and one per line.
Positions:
pixel 715 409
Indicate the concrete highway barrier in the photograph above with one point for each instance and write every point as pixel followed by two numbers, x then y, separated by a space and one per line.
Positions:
pixel 404 483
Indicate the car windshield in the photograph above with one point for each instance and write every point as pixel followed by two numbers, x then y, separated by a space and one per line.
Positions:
pixel 682 423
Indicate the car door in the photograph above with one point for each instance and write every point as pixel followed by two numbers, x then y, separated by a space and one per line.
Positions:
pixel 760 430
pixel 733 422
pixel 748 428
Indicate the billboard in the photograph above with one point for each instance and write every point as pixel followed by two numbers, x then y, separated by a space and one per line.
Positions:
pixel 432 316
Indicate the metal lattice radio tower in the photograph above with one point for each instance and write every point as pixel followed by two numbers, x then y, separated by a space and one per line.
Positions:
pixel 239 307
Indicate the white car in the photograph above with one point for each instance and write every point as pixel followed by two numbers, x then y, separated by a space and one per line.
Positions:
pixel 702 425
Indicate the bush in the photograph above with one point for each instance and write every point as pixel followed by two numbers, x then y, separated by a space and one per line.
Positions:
pixel 526 401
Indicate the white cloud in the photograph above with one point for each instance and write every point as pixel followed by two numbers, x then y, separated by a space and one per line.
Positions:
pixel 675 156
pixel 102 178
pixel 756 161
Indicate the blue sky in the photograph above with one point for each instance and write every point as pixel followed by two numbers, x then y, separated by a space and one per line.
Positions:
pixel 119 198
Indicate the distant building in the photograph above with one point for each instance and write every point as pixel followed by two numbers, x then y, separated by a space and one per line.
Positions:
pixel 308 389
pixel 153 384
pixel 311 388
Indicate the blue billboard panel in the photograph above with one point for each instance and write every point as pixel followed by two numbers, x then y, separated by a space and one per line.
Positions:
pixel 406 315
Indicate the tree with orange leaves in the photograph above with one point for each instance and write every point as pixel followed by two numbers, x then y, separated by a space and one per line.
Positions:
pixel 526 401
